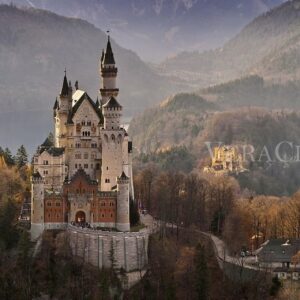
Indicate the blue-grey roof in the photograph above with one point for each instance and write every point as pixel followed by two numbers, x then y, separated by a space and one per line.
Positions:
pixel 279 250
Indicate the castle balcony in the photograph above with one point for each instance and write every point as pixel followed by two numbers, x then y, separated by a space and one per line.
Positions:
pixel 86 138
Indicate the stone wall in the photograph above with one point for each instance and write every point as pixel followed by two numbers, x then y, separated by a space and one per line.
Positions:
pixel 128 250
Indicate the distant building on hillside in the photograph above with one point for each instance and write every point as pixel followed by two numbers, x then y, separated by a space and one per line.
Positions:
pixel 226 159
pixel 85 175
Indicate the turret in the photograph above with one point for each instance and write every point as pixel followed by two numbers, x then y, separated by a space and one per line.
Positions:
pixel 112 112
pixel 108 73
pixel 123 220
pixel 37 205
pixel 65 96
pixel 61 112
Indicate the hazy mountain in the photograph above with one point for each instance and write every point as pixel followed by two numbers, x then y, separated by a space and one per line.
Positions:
pixel 176 121
pixel 184 119
pixel 158 28
pixel 268 46
pixel 35 47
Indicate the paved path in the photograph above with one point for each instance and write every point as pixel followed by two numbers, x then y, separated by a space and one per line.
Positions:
pixel 223 255
pixel 220 249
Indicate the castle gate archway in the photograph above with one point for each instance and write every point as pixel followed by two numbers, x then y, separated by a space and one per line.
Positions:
pixel 80 217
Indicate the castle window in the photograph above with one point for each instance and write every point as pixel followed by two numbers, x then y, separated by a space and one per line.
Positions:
pixel 97 166
pixel 57 204
pixel 45 172
pixel 111 215
pixel 86 155
pixel 48 203
pixel 89 123
pixel 83 123
pixel 45 162
pixel 49 215
pixel 92 166
pixel 102 215
pixel 86 166
pixel 36 160
pixel 106 168
pixel 75 166
pixel 77 155
pixel 77 145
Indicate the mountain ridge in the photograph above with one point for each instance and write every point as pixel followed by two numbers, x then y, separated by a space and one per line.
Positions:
pixel 140 24
pixel 252 51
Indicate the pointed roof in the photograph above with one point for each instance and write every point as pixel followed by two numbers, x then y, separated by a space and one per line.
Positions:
pixel 80 173
pixel 37 175
pixel 48 142
pixel 102 56
pixel 55 104
pixel 65 86
pixel 78 97
pixel 112 103
pixel 108 56
pixel 123 176
pixel 97 102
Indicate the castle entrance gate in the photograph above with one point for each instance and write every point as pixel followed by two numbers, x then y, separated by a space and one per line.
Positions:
pixel 80 217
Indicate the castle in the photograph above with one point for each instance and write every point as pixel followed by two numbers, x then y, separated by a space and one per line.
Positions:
pixel 226 159
pixel 85 176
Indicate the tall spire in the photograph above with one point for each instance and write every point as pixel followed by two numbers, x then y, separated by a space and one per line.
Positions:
pixel 65 86
pixel 102 56
pixel 108 56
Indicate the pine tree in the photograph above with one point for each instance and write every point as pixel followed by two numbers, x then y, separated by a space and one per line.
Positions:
pixel 201 275
pixel 9 159
pixel 21 157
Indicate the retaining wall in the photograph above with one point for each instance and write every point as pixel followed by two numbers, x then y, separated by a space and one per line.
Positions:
pixel 127 250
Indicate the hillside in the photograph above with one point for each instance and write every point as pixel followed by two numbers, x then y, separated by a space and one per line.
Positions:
pixel 35 47
pixel 177 121
pixel 156 29
pixel 193 128
pixel 254 91
pixel 181 118
pixel 269 46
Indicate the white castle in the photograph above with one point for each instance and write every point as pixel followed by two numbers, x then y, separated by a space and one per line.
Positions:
pixel 86 175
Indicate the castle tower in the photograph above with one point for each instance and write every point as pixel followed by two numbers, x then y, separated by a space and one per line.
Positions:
pixel 112 137
pixel 108 73
pixel 123 220
pixel 61 111
pixel 37 205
